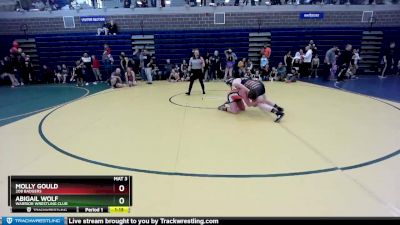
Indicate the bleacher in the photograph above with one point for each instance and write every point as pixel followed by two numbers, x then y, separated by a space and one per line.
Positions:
pixel 68 48
pixel 177 46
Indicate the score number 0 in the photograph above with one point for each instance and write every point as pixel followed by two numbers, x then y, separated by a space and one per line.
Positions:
pixel 121 200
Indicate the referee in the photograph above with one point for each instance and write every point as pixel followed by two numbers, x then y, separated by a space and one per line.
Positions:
pixel 196 68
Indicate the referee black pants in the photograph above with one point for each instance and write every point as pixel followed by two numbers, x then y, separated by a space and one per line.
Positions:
pixel 196 74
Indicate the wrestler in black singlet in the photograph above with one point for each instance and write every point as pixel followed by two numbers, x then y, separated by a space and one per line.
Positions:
pixel 256 88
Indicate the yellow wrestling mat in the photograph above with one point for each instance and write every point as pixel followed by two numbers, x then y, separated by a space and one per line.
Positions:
pixel 333 154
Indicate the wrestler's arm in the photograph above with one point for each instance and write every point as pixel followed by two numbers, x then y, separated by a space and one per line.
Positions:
pixel 239 86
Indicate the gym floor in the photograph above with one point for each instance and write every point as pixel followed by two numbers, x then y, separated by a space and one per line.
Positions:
pixel 335 153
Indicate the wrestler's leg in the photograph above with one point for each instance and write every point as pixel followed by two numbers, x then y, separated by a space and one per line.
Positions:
pixel 263 99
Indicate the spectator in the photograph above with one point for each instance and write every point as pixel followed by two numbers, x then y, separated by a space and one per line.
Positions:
pixel 306 66
pixel 273 75
pixel 174 75
pixel 108 28
pixel 207 66
pixel 184 70
pixel 167 69
pixel 330 62
pixel 266 51
pixel 281 71
pixel 249 65
pixel 86 60
pixel 48 74
pixel 248 73
pixel 345 61
pixel 136 57
pixel 107 49
pixel 296 66
pixel 153 3
pixel 53 5
pixel 298 56
pixel 22 69
pixel 7 70
pixel 108 62
pixel 313 47
pixel 155 71
pixel 215 65
pixel 143 4
pixel 264 61
pixel 28 71
pixel 242 67
pixel 147 63
pixel 314 66
pixel 230 63
pixel 64 73
pixel 125 63
pixel 257 76
pixel 345 57
pixel 130 77
pixel 115 79
pixel 58 73
pixel 141 63
pixel 94 4
pixel 112 28
pixel 355 58
pixel 398 68
pixel 18 64
pixel 388 60
pixel 127 3
pixel 122 62
pixel 265 72
pixel 288 60
pixel 96 69
pixel 87 67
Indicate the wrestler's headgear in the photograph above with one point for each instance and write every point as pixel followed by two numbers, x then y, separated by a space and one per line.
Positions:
pixel 229 82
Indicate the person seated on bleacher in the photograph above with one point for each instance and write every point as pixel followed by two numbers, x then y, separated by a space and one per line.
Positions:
pixel 108 29
pixel 142 4
pixel 127 3
pixel 53 5
pixel 281 71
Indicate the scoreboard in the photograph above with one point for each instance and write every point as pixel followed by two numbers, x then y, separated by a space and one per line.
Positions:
pixel 70 194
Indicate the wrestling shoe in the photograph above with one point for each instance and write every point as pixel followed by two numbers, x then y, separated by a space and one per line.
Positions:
pixel 279 116
pixel 222 108
pixel 280 109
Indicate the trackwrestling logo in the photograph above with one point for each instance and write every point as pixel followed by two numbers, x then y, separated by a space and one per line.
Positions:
pixel 33 220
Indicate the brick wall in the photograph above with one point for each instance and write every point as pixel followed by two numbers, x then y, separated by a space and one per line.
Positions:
pixel 201 18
